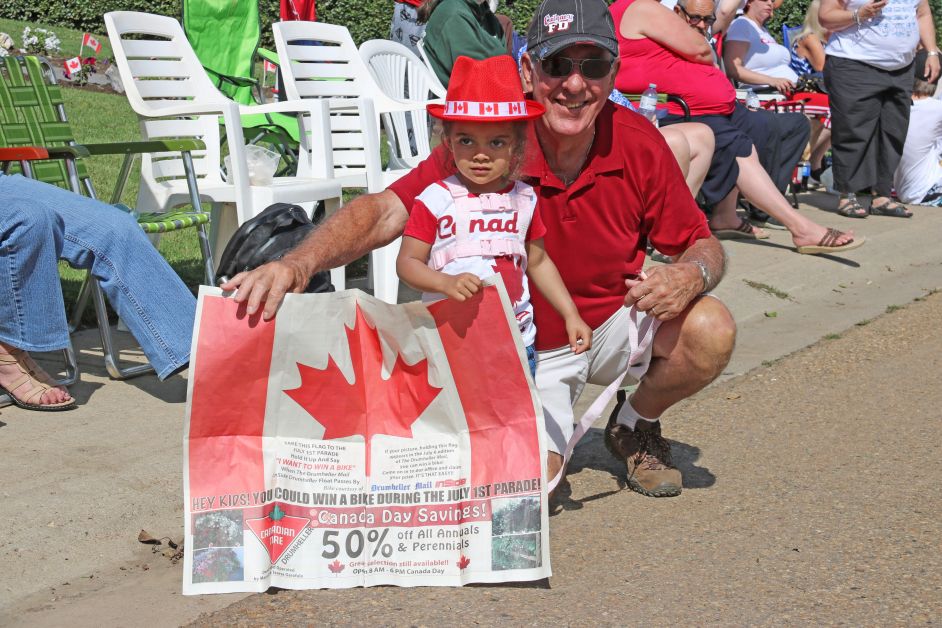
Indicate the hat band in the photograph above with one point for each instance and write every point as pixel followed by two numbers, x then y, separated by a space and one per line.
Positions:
pixel 474 109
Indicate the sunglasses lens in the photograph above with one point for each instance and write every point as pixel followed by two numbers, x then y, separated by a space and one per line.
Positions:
pixel 557 66
pixel 596 68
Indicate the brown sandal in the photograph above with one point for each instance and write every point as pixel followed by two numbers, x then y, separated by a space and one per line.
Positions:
pixel 828 244
pixel 36 387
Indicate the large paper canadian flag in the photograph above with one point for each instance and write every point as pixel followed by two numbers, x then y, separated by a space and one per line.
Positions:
pixel 349 442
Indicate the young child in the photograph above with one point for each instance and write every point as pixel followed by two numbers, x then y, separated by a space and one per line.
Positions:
pixel 480 221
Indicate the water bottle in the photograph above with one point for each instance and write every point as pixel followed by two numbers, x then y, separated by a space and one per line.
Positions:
pixel 648 105
pixel 752 100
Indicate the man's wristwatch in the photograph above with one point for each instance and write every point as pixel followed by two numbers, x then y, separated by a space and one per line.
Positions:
pixel 704 275
pixel 934 53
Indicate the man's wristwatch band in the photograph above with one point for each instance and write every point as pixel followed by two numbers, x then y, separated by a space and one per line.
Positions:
pixel 934 53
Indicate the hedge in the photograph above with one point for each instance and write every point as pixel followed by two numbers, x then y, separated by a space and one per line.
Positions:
pixel 366 19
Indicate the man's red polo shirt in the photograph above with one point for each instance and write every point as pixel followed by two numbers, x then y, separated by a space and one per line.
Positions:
pixel 631 191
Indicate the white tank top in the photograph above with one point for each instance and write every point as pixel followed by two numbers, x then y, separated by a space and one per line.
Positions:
pixel 887 41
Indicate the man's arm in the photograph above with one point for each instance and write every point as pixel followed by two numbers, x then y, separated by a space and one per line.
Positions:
pixel 365 223
pixel 667 290
pixel 927 37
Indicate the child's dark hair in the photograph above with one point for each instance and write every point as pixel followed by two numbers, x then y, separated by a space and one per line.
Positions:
pixel 519 150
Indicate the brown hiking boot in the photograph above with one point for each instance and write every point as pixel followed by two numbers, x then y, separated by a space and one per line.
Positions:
pixel 646 454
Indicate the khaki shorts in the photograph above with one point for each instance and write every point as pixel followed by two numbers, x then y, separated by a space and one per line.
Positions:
pixel 622 343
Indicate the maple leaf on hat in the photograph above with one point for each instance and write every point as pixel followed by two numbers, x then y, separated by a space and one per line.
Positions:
pixel 512 274
pixel 369 405
pixel 336 566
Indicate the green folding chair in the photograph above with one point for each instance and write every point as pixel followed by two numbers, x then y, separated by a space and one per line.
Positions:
pixel 32 114
pixel 225 36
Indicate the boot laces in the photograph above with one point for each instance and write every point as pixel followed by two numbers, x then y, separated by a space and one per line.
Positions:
pixel 654 452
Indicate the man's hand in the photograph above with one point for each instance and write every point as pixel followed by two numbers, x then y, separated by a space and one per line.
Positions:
pixel 665 291
pixel 932 68
pixel 461 287
pixel 268 283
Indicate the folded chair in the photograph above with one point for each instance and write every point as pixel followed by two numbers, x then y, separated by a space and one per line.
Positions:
pixel 168 88
pixel 32 117
pixel 320 63
pixel 403 77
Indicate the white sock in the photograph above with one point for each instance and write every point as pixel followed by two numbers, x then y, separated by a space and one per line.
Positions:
pixel 628 416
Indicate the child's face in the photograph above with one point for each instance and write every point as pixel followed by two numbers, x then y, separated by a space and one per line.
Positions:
pixel 483 153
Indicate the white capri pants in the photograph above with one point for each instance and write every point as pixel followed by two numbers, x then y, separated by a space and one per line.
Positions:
pixel 561 375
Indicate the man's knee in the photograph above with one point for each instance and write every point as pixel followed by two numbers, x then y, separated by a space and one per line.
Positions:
pixel 708 335
pixel 28 220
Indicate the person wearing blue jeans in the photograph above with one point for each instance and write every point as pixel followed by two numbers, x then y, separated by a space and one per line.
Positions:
pixel 40 224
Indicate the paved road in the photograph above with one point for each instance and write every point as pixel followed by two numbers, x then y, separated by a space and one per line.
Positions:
pixel 812 495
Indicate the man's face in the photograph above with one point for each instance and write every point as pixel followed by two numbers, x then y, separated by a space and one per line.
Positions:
pixel 572 100
pixel 698 14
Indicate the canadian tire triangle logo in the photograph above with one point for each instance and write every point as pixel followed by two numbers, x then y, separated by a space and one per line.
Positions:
pixel 277 531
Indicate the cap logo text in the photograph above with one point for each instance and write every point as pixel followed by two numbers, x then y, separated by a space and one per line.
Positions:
pixel 558 22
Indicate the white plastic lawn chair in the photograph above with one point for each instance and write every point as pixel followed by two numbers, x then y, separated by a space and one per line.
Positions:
pixel 167 86
pixel 321 62
pixel 421 46
pixel 403 77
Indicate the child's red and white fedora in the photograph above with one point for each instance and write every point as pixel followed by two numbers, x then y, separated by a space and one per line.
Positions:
pixel 485 91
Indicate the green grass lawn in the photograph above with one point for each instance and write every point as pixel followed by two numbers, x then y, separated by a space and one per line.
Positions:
pixel 71 39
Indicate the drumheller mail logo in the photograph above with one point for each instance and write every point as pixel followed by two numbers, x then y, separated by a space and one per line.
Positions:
pixel 558 22
pixel 278 531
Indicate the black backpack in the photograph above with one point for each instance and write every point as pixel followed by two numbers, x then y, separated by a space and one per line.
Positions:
pixel 268 237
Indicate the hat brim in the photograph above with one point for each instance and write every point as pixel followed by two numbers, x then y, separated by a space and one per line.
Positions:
pixel 554 45
pixel 534 110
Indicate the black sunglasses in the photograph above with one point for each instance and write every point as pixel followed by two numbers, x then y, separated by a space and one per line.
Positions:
pixel 559 67
pixel 694 19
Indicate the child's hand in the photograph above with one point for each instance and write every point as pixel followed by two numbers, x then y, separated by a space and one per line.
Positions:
pixel 461 287
pixel 580 334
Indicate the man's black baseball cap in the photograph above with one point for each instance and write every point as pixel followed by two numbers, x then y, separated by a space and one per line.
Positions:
pixel 558 24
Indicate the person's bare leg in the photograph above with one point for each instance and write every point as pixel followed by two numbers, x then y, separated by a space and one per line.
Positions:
pixel 677 142
pixel 701 144
pixel 724 215
pixel 755 184
pixel 690 351
pixel 821 146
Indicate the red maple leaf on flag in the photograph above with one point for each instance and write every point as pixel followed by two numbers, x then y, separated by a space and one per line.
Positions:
pixel 512 274
pixel 336 566
pixel 369 405
pixel 463 562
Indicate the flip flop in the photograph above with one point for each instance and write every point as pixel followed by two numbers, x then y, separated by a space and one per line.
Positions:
pixel 827 244
pixel 745 231
pixel 891 208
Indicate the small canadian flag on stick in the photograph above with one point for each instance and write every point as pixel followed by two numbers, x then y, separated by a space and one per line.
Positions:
pixel 91 42
pixel 268 66
pixel 73 65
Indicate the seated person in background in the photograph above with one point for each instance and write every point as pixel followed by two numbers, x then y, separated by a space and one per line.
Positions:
pixel 455 28
pixel 405 28
pixel 656 46
pixel 487 151
pixel 919 174
pixel 788 132
pixel 39 224
pixel 752 56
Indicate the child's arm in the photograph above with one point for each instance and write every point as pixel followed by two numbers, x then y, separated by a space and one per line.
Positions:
pixel 543 273
pixel 412 266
